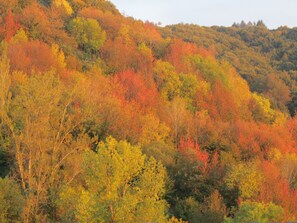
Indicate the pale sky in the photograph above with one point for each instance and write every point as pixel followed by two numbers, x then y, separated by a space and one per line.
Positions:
pixel 274 13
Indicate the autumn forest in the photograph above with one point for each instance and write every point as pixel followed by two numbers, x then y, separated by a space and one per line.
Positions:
pixel 105 118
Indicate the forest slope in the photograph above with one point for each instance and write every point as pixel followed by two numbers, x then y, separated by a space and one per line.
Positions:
pixel 104 118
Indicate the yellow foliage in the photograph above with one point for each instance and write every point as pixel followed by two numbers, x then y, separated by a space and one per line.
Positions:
pixel 262 109
pixel 64 5
pixel 153 130
pixel 274 154
pixel 19 77
pixel 279 118
pixel 246 178
pixel 145 51
pixel 59 55
pixel 204 87
pixel 124 34
pixel 20 37
pixel 176 220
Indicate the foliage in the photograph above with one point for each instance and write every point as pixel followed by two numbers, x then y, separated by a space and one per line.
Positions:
pixel 88 96
pixel 11 201
pixel 122 185
pixel 244 177
pixel 63 5
pixel 87 33
pixel 257 212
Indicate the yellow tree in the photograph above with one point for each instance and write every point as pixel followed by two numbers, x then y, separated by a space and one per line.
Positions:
pixel 121 185
pixel 44 127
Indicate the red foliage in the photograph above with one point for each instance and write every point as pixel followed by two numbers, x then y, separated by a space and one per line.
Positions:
pixel 188 147
pixel 137 90
pixel 11 26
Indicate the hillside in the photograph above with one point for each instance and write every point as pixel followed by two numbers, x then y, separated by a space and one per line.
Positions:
pixel 104 118
pixel 265 58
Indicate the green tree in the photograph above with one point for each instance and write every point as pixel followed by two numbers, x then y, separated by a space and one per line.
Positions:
pixel 122 185
pixel 11 201
pixel 88 34
pixel 257 212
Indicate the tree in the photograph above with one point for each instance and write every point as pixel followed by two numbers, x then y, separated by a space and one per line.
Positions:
pixel 188 147
pixel 257 212
pixel 62 5
pixel 167 80
pixel 153 130
pixel 35 56
pixel 261 108
pixel 246 178
pixel 137 89
pixel 11 26
pixel 44 129
pixel 88 34
pixel 11 201
pixel 5 95
pixel 176 116
pixel 122 185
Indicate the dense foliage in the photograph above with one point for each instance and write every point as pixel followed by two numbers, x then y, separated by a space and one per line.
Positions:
pixel 104 118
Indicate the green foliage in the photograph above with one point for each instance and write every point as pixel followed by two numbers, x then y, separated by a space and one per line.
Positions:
pixel 189 86
pixel 11 201
pixel 257 212
pixel 4 161
pixel 192 211
pixel 162 152
pixel 87 33
pixel 189 180
pixel 122 186
pixel 208 68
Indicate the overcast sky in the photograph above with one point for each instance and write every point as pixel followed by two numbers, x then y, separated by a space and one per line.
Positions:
pixel 274 13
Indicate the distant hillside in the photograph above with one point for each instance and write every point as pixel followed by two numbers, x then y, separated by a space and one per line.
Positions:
pixel 267 59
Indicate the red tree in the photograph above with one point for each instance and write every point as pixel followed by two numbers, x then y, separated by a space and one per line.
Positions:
pixel 137 90
pixel 188 147
pixel 11 27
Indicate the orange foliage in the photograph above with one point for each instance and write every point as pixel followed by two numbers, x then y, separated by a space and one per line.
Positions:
pixel 292 130
pixel 11 26
pixel 137 90
pixel 109 22
pixel 35 18
pixel 31 56
pixel 276 189
pixel 177 51
pixel 221 103
pixel 152 33
pixel 44 24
